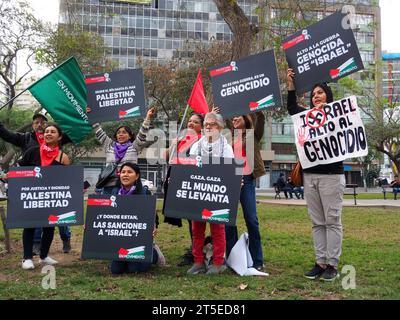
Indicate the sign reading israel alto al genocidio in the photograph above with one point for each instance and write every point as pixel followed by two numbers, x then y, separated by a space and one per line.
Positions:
pixel 323 52
pixel 119 228
pixel 45 196
pixel 208 193
pixel 330 134
pixel 247 85
pixel 116 95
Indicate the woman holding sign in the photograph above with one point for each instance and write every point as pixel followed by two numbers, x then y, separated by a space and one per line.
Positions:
pixel 124 147
pixel 48 154
pixel 323 188
pixel 131 185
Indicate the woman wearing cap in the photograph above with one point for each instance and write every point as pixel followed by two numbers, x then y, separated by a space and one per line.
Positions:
pixel 131 185
pixel 323 189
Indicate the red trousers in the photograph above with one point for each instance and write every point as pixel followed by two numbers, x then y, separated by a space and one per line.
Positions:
pixel 218 241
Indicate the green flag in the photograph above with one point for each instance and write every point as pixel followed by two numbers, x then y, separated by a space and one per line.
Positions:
pixel 62 92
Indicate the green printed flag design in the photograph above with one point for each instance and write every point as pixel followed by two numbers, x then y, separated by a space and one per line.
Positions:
pixel 62 92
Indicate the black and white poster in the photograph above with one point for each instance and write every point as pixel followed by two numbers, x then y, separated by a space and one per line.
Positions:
pixel 115 96
pixel 323 52
pixel 247 85
pixel 45 196
pixel 330 134
pixel 208 193
pixel 119 228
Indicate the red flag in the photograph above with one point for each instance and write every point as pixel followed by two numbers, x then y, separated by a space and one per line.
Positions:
pixel 197 100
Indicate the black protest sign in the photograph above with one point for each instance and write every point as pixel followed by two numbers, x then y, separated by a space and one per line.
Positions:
pixel 247 85
pixel 45 196
pixel 209 193
pixel 116 95
pixel 323 52
pixel 119 228
pixel 331 134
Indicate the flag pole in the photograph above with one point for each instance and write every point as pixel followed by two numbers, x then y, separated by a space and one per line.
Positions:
pixel 179 131
pixel 11 100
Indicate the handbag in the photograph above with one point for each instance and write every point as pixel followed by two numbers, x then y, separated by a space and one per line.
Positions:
pixel 297 174
pixel 106 174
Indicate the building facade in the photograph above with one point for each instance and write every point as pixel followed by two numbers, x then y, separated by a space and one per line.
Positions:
pixel 158 30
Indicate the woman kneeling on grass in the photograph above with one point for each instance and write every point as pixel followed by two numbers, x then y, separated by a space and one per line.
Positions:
pixel 132 185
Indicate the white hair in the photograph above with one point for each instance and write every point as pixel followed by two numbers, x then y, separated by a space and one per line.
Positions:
pixel 217 117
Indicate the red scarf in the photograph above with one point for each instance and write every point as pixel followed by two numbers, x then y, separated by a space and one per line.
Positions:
pixel 239 150
pixel 40 138
pixel 48 154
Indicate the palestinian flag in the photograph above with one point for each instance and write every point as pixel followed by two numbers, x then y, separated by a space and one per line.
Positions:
pixel 216 215
pixel 133 112
pixel 344 68
pixel 263 103
pixel 69 217
pixel 133 253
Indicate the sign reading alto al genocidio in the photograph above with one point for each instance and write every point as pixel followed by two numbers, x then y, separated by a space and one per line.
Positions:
pixel 209 193
pixel 119 228
pixel 323 52
pixel 330 134
pixel 247 85
pixel 116 95
pixel 45 196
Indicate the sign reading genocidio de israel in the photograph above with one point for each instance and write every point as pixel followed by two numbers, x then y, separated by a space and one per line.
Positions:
pixel 323 52
pixel 116 95
pixel 119 228
pixel 247 85
pixel 45 196
pixel 330 134
pixel 208 193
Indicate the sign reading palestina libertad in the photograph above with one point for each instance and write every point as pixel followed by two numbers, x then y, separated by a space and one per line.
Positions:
pixel 209 192
pixel 116 95
pixel 323 52
pixel 45 196
pixel 119 228
pixel 330 134
pixel 247 85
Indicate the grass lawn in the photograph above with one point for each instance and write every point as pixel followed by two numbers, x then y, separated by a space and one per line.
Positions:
pixel 371 244
pixel 361 196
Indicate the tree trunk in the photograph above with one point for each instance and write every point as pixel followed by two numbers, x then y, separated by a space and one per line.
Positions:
pixel 6 231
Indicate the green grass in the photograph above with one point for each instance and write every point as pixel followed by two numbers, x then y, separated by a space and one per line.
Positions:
pixel 371 244
pixel 361 196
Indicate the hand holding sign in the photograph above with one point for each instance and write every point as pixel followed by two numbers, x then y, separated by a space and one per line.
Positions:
pixel 150 113
pixel 290 80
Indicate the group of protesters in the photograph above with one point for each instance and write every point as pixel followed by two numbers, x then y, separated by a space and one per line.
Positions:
pixel 323 185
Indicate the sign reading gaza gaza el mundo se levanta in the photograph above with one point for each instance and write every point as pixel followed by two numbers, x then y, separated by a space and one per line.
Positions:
pixel 37 197
pixel 330 134
pixel 323 52
pixel 116 95
pixel 247 85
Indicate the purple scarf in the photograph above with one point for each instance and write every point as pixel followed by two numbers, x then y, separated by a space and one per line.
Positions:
pixel 123 192
pixel 120 150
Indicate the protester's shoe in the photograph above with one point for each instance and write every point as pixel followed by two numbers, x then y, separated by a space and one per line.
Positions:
pixel 48 261
pixel 161 259
pixel 214 269
pixel 67 246
pixel 259 268
pixel 36 249
pixel 197 268
pixel 187 259
pixel 27 264
pixel 315 272
pixel 330 274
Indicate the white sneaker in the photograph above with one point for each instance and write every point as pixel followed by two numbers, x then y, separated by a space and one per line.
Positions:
pixel 27 264
pixel 161 259
pixel 48 261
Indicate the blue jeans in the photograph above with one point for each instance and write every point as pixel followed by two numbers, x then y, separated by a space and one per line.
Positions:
pixel 248 202
pixel 65 234
pixel 120 267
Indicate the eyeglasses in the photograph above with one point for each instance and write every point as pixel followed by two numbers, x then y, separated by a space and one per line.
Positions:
pixel 212 124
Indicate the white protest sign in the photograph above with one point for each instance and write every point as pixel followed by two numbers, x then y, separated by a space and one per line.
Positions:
pixel 330 134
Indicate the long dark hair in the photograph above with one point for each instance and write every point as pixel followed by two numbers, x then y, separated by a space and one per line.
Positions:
pixel 201 118
pixel 328 91
pixel 128 130
pixel 134 167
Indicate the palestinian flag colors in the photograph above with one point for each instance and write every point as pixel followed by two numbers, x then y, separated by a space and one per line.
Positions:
pixel 130 113
pixel 215 215
pixel 263 103
pixel 66 218
pixel 345 68
pixel 133 253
